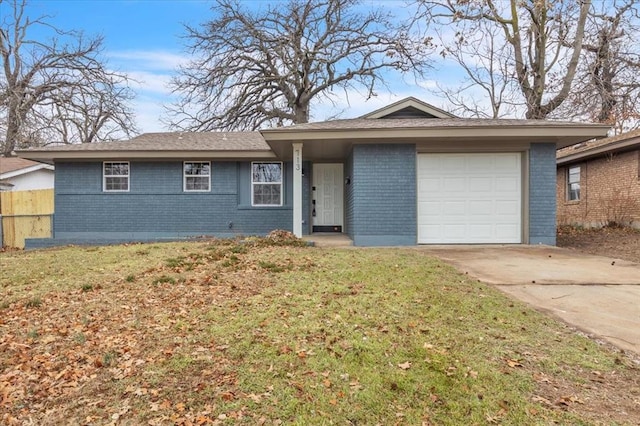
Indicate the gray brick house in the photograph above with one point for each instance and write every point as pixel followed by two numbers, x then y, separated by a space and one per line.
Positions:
pixel 406 174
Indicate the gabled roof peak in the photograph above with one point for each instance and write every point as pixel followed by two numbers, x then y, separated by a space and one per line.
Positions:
pixel 409 107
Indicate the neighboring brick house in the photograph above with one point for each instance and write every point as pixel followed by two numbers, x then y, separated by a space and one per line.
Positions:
pixel 598 182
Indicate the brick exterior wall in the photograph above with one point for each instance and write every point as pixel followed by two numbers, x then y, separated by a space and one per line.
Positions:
pixel 156 206
pixel 609 191
pixel 381 199
pixel 542 201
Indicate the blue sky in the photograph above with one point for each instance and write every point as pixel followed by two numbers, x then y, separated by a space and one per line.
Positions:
pixel 142 39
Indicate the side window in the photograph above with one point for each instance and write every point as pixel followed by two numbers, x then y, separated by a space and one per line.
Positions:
pixel 196 176
pixel 115 176
pixel 573 183
pixel 266 184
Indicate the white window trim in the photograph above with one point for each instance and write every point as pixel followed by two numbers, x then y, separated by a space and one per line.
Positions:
pixel 184 177
pixel 569 183
pixel 105 176
pixel 281 183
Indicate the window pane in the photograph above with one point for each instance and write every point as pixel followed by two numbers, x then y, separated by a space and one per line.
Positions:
pixel 267 194
pixel 267 172
pixel 573 181
pixel 197 183
pixel 195 169
pixel 117 183
pixel 116 169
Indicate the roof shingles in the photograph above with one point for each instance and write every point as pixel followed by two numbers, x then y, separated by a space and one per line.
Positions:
pixel 12 164
pixel 585 147
pixel 176 141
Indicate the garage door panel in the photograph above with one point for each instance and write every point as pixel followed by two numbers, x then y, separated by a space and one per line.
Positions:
pixel 507 209
pixel 450 162
pixel 454 208
pixel 481 207
pixel 431 184
pixel 477 198
pixel 454 184
pixel 483 184
pixel 507 184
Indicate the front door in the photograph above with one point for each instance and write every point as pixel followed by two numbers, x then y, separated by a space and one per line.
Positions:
pixel 327 202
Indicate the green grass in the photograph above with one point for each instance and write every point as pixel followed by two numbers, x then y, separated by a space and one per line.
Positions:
pixel 252 332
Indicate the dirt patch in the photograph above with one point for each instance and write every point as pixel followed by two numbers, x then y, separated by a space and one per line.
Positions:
pixel 621 243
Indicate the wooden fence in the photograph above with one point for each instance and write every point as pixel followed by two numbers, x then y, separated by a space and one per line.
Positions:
pixel 25 214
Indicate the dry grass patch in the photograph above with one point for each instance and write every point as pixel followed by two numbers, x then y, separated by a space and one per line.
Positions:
pixel 261 332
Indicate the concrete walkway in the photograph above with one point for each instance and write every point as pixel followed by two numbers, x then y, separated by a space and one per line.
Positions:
pixel 596 294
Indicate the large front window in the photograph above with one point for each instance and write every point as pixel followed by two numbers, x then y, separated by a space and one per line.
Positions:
pixel 266 184
pixel 573 184
pixel 197 176
pixel 116 176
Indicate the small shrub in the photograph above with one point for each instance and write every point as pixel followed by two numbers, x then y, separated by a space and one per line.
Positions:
pixel 109 358
pixel 273 267
pixel 130 278
pixel 164 279
pixel 87 287
pixel 175 262
pixel 33 334
pixel 80 338
pixel 36 302
pixel 238 249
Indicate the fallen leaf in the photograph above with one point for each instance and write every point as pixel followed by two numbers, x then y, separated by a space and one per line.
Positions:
pixel 513 363
pixel 405 365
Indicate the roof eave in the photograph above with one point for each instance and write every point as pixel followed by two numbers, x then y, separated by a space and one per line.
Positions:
pixel 44 155
pixel 25 170
pixel 563 136
pixel 599 150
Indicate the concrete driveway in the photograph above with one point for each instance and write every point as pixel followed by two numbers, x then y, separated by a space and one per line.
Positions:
pixel 598 295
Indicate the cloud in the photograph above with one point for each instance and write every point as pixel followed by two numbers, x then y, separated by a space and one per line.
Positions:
pixel 148 60
pixel 352 103
pixel 149 82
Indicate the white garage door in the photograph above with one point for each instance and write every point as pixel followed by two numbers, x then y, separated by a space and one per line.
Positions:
pixel 469 198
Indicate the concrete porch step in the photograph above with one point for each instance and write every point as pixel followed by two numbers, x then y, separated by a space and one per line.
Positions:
pixel 329 239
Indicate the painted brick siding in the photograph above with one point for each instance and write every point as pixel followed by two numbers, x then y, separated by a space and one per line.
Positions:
pixel 542 187
pixel 609 191
pixel 348 196
pixel 157 207
pixel 381 203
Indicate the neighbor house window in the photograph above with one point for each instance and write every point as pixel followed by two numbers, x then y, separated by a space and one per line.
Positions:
pixel 197 175
pixel 573 183
pixel 116 176
pixel 266 184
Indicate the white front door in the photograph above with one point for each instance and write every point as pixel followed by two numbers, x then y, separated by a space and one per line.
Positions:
pixel 327 201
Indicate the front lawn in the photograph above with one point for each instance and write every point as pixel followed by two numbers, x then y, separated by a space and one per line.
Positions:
pixel 251 332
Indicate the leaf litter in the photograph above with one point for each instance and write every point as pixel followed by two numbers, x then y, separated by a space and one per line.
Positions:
pixel 138 350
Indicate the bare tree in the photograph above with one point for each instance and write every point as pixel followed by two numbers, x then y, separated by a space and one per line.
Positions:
pixel 489 82
pixel 60 85
pixel 265 67
pixel 607 86
pixel 544 39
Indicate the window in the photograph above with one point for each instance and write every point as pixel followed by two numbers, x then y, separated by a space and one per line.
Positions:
pixel 573 184
pixel 197 176
pixel 116 176
pixel 266 184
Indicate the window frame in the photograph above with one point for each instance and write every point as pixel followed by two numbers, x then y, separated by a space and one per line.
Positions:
pixel 105 176
pixel 185 176
pixel 254 184
pixel 570 183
